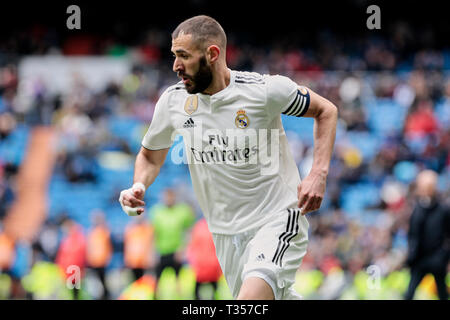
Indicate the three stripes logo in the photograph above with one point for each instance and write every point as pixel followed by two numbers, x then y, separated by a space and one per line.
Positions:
pixel 285 238
pixel 189 123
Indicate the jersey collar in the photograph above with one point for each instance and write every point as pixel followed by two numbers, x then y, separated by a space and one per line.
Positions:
pixel 222 92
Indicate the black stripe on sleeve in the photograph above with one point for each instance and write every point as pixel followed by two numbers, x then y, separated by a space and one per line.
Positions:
pixel 249 76
pixel 249 81
pixel 299 106
pixel 292 106
pixel 305 108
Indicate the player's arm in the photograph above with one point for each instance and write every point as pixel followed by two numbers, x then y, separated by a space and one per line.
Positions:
pixel 146 169
pixel 147 165
pixel 312 189
pixel 151 156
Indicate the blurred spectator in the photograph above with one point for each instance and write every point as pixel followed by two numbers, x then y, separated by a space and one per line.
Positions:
pixel 80 166
pixel 72 252
pixel 201 255
pixel 6 193
pixel 138 243
pixel 99 249
pixel 421 121
pixel 7 124
pixel 358 74
pixel 150 49
pixel 428 236
pixel 48 240
pixel 170 221
pixel 46 281
pixel 7 252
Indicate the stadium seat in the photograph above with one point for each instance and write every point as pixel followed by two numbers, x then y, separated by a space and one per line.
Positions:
pixel 385 117
pixel 302 126
pixel 368 144
pixel 442 113
pixel 355 198
pixel 13 147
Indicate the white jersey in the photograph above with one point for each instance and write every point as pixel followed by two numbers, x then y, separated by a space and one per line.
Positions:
pixel 239 159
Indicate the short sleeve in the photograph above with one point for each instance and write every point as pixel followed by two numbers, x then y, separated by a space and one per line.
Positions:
pixel 286 97
pixel 159 133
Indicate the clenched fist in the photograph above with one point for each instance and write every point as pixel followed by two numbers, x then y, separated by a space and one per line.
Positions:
pixel 131 199
pixel 310 192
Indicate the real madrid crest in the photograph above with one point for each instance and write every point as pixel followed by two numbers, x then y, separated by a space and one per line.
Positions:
pixel 242 121
pixel 191 104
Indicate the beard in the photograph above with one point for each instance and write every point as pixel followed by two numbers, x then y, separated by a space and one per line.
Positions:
pixel 201 80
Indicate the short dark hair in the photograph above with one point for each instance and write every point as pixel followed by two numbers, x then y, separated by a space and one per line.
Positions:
pixel 204 31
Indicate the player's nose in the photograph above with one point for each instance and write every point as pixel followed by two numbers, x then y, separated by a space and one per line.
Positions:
pixel 177 66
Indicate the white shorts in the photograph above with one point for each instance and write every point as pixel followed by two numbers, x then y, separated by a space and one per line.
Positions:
pixel 272 252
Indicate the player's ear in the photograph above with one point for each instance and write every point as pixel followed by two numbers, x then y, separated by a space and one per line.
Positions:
pixel 213 53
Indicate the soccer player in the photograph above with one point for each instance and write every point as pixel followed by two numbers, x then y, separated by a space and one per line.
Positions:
pixel 255 205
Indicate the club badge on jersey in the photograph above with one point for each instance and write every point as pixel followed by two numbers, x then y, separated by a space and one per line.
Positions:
pixel 242 121
pixel 191 104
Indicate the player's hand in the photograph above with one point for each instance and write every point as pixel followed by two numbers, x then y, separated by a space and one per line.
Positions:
pixel 310 192
pixel 131 199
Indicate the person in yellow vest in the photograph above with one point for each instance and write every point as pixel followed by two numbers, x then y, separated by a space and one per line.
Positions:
pixel 171 221
pixel 138 246
pixel 99 248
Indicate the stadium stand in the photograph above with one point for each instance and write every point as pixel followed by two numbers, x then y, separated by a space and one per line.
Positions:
pixel 387 96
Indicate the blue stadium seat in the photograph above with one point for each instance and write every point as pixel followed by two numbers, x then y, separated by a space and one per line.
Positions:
pixel 13 147
pixel 416 144
pixel 446 55
pixel 302 126
pixel 442 113
pixel 129 129
pixel 356 197
pixel 385 117
pixel 368 144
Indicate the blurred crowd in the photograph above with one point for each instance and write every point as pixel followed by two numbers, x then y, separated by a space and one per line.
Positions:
pixel 394 109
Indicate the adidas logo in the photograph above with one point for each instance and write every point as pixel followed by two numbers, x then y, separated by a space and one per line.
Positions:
pixel 189 123
pixel 261 257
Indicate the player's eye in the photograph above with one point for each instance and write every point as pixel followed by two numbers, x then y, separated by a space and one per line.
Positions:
pixel 181 55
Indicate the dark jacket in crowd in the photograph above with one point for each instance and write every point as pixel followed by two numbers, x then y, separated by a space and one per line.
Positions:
pixel 429 236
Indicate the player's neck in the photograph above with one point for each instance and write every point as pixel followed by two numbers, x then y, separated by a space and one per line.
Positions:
pixel 221 80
